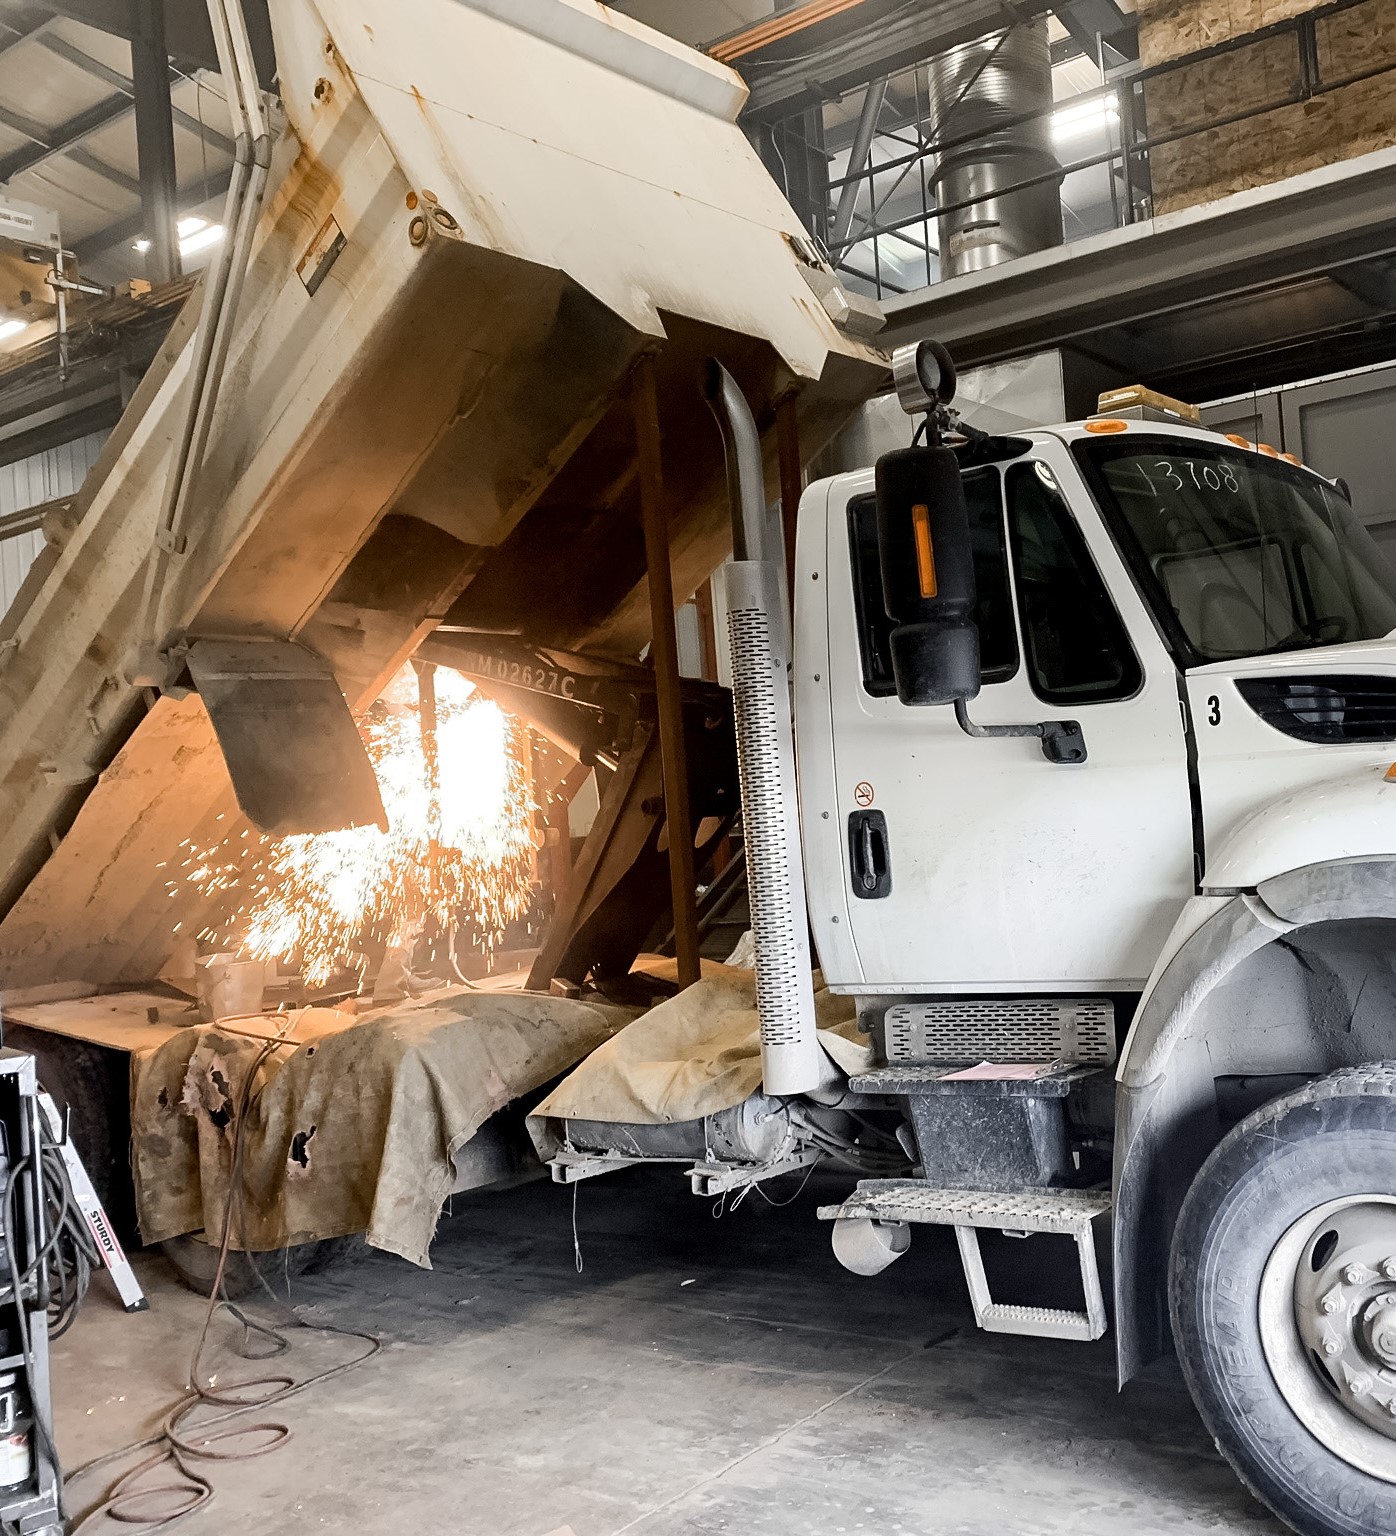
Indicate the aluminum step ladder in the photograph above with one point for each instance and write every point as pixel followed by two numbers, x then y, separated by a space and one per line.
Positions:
pixel 1018 1213
pixel 113 1255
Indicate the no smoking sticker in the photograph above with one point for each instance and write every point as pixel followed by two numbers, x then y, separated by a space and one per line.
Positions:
pixel 863 792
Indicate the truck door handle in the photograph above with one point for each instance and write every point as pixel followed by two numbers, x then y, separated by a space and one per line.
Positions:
pixel 869 855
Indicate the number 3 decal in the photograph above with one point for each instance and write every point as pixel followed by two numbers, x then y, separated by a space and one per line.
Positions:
pixel 1214 710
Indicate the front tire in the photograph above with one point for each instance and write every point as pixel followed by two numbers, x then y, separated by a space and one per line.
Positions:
pixel 1282 1274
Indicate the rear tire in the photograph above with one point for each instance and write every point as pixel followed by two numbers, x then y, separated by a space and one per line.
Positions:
pixel 91 1085
pixel 1276 1290
pixel 195 1262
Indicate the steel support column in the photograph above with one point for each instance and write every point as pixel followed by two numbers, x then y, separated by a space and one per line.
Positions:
pixel 664 652
pixel 873 98
pixel 150 76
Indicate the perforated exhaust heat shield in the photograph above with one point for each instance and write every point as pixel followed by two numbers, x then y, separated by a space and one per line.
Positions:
pixel 791 1059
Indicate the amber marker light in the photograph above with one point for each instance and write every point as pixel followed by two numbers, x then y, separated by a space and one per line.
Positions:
pixel 925 554
pixel 1391 774
pixel 1108 425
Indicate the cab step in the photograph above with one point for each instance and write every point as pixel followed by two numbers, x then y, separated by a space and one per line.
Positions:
pixel 1017 1213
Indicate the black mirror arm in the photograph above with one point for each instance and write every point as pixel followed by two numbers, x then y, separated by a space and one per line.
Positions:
pixel 1062 740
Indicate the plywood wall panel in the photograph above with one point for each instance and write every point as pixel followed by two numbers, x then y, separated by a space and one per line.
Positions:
pixel 1284 136
pixel 1171 29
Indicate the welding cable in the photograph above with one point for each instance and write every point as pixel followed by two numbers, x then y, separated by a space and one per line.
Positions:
pixel 70 1254
pixel 153 1505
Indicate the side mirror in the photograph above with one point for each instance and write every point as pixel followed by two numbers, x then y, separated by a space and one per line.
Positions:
pixel 927 575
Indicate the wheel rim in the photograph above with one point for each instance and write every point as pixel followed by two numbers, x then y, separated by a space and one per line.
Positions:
pixel 1328 1327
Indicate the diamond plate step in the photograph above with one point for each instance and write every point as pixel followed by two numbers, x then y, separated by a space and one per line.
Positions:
pixel 1070 1212
pixel 1029 1210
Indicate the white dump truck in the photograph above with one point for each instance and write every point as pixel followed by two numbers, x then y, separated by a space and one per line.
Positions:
pixel 1097 819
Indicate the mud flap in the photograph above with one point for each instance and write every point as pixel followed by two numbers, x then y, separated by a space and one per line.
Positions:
pixel 294 754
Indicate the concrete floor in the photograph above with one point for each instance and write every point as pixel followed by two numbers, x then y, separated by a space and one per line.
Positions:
pixel 698 1377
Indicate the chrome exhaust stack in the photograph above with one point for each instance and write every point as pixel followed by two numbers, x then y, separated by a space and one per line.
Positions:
pixel 791 1058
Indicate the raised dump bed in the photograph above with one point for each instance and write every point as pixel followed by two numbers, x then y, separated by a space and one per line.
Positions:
pixel 480 216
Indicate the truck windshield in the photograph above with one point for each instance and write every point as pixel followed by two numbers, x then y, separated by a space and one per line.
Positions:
pixel 1243 554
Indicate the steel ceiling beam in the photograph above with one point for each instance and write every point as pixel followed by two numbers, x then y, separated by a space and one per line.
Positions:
pixel 20 24
pixel 188 35
pixel 123 83
pixel 1089 23
pixel 862 50
pixel 89 162
pixel 64 136
pixel 25 127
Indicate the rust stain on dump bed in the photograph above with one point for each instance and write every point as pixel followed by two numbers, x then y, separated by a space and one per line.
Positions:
pixel 311 189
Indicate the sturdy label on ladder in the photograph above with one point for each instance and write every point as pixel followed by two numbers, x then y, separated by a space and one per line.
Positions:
pixel 117 1265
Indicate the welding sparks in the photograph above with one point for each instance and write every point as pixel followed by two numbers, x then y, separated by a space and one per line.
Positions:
pixel 458 849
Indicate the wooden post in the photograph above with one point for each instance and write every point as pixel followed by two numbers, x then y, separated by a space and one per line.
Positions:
pixel 791 481
pixel 703 601
pixel 664 652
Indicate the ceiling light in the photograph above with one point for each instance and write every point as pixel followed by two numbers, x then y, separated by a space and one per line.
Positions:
pixel 10 328
pixel 1084 116
pixel 194 235
pixel 201 239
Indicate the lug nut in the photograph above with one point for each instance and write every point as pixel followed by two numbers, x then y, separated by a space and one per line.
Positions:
pixel 1332 1347
pixel 1355 1274
pixel 1388 1268
pixel 1331 1304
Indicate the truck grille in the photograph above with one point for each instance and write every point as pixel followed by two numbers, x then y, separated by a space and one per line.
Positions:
pixel 1042 1029
pixel 1325 709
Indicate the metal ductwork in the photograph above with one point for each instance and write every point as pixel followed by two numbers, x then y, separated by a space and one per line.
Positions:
pixel 979 94
pixel 792 1060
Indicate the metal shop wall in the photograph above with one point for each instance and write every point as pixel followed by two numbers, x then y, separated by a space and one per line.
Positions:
pixel 1342 426
pixel 47 476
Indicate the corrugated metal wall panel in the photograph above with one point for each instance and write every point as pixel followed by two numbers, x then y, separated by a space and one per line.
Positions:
pixel 56 472
pixel 16 556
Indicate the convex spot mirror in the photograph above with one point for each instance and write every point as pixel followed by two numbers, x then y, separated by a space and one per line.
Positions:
pixel 927 575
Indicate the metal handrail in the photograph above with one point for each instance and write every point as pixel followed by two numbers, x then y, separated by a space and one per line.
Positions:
pixel 1135 149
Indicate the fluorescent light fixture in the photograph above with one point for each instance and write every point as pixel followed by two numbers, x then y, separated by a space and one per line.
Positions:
pixel 195 234
pixel 200 240
pixel 1084 117
pixel 10 328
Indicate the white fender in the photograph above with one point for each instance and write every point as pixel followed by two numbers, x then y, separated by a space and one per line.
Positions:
pixel 1351 817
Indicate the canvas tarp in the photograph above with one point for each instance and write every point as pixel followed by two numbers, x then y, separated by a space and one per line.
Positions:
pixel 695 1054
pixel 353 1122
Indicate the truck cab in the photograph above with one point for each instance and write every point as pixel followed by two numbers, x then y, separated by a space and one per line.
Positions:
pixel 1215 620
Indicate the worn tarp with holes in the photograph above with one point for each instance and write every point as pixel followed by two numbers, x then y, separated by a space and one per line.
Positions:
pixel 352 1123
pixel 692 1055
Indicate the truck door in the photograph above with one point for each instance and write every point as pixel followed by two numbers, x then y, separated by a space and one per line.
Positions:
pixel 973 864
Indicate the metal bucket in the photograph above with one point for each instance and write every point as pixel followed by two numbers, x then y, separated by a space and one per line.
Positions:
pixel 227 987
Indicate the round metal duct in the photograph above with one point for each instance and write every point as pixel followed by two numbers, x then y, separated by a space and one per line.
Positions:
pixel 977 93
